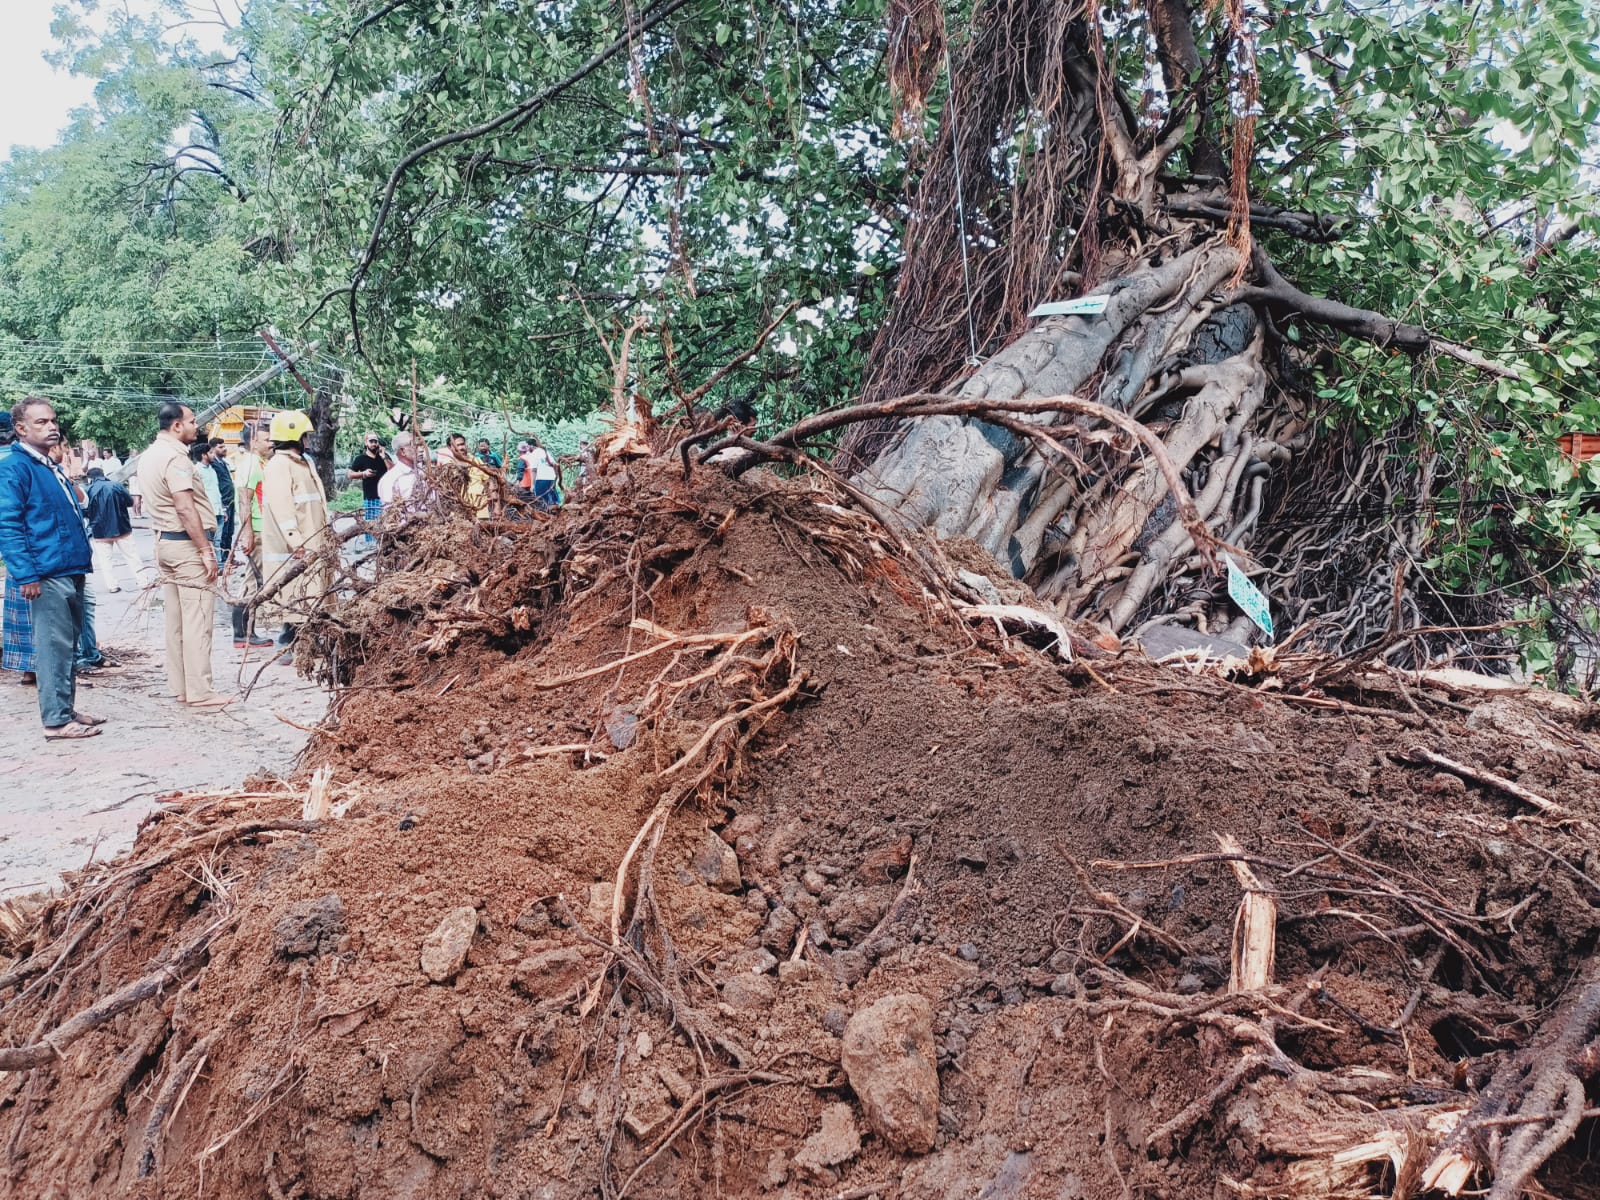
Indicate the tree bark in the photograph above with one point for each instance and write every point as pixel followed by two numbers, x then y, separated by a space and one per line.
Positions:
pixel 1068 529
pixel 324 414
pixel 1076 205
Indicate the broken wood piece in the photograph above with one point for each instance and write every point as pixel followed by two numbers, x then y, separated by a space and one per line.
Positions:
pixel 318 804
pixel 1255 926
pixel 1020 614
pixel 1346 1173
pixel 641 625
pixel 1490 779
pixel 1448 1173
pixel 564 748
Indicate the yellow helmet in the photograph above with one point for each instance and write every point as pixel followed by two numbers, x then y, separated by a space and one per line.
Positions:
pixel 290 426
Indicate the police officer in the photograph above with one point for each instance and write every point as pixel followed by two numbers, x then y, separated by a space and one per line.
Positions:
pixel 184 523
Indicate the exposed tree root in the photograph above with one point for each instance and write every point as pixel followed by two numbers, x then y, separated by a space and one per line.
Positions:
pixel 1533 1105
pixel 50 1047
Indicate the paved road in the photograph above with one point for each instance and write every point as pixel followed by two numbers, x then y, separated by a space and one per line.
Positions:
pixel 61 802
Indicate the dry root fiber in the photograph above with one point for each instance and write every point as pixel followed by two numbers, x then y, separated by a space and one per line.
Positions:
pixel 623 819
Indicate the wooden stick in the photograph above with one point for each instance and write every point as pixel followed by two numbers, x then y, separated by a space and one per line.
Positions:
pixel 1255 926
pixel 1490 779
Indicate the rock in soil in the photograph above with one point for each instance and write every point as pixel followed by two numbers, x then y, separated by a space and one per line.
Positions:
pixel 444 951
pixel 718 864
pixel 550 974
pixel 891 1062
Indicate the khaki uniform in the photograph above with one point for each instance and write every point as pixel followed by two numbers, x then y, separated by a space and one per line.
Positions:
pixel 188 599
pixel 248 471
pixel 294 516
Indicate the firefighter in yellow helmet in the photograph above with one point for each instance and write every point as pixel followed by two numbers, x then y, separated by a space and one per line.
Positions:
pixel 294 525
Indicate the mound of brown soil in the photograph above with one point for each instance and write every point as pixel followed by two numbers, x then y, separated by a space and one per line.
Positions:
pixel 689 845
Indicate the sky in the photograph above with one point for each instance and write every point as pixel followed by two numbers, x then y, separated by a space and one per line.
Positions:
pixel 35 98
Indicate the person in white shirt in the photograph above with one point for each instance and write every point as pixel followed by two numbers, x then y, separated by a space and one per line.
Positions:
pixel 540 475
pixel 403 483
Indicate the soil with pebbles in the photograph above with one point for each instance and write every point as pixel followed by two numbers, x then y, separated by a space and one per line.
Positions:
pixel 923 821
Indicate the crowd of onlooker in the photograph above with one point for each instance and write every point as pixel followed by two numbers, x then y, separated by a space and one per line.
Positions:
pixel 478 477
pixel 66 513
pixel 258 507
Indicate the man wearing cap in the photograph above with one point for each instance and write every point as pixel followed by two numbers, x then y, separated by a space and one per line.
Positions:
pixel 184 522
pixel 44 539
pixel 294 526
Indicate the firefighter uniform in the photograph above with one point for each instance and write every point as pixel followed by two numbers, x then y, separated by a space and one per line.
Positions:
pixel 294 520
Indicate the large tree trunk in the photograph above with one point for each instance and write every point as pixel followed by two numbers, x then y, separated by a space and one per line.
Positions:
pixel 1083 203
pixel 1097 535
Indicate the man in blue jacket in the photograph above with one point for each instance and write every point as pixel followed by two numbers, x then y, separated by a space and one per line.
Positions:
pixel 44 541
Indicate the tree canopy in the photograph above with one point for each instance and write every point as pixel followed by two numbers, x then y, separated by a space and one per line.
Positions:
pixel 507 193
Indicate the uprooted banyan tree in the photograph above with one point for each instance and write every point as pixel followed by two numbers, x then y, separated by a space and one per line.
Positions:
pixel 703 838
pixel 1155 217
pixel 723 833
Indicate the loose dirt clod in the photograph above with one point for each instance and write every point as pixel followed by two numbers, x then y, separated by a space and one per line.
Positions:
pixel 889 1059
pixel 976 898
pixel 309 927
pixel 444 951
pixel 837 1140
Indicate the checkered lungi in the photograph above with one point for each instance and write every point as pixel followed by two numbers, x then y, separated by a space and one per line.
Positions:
pixel 16 649
pixel 371 509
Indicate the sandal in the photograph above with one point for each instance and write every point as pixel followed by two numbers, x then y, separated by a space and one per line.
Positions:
pixel 71 731
pixel 84 719
pixel 214 704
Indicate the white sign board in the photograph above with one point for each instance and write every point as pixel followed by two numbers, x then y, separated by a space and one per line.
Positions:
pixel 1083 306
pixel 1249 598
